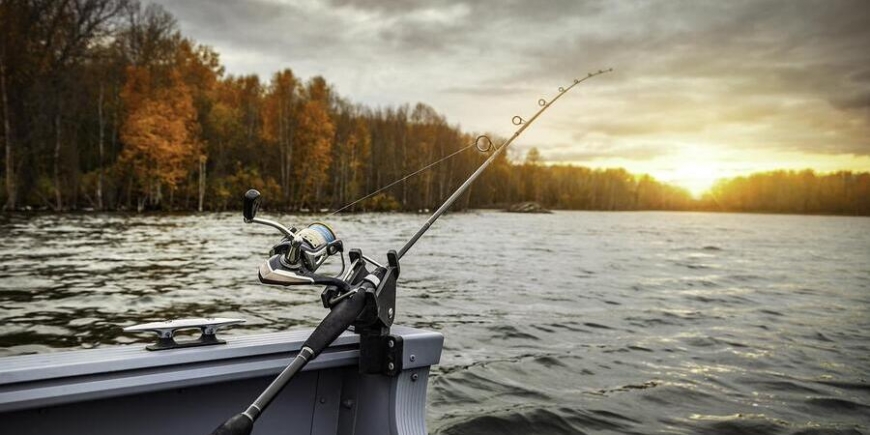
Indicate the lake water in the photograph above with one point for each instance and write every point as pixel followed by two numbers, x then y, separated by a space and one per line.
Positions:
pixel 555 324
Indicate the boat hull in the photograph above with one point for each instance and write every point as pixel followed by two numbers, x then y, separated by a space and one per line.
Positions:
pixel 128 390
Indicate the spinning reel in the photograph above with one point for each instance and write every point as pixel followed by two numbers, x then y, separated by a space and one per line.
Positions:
pixel 295 259
pixel 355 296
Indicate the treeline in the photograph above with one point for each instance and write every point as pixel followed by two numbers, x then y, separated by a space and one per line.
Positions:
pixel 107 106
pixel 793 192
pixel 569 187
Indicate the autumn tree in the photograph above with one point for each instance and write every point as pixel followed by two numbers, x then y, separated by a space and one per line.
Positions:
pixel 43 50
pixel 351 154
pixel 533 174
pixel 223 130
pixel 160 135
pixel 280 110
pixel 805 191
pixel 314 135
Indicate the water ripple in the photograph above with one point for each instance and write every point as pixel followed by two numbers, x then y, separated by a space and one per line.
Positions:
pixel 566 323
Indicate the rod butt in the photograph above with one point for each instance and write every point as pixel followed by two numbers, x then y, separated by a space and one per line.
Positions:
pixel 239 424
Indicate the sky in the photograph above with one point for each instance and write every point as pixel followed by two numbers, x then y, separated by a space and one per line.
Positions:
pixel 700 89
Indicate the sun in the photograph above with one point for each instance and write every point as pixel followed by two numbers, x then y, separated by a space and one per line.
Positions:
pixel 694 168
pixel 696 176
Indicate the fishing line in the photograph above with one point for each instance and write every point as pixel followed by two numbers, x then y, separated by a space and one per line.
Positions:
pixel 516 120
pixel 477 143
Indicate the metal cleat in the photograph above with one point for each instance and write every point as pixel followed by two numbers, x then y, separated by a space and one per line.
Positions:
pixel 166 331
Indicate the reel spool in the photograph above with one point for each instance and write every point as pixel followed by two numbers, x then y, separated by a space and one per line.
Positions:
pixel 307 249
pixel 317 234
pixel 312 246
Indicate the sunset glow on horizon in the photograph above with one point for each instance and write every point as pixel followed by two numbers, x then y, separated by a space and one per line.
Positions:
pixel 698 174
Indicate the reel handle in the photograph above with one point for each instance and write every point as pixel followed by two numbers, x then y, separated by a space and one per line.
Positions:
pixel 252 205
pixel 249 210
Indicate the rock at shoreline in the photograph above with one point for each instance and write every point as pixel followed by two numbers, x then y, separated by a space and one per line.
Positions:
pixel 527 207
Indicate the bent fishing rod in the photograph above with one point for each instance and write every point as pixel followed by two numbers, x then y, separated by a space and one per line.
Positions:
pixel 357 296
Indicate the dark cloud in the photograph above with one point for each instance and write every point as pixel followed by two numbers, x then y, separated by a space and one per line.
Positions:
pixel 259 27
pixel 389 7
pixel 790 75
pixel 426 38
pixel 481 11
pixel 861 101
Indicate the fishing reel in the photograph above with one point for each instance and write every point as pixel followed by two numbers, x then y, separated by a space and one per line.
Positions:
pixel 295 259
pixel 362 295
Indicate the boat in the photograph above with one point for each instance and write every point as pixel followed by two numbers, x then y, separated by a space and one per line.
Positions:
pixel 129 390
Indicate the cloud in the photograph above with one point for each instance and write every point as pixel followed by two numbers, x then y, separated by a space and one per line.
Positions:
pixel 787 75
pixel 590 152
pixel 861 101
pixel 485 91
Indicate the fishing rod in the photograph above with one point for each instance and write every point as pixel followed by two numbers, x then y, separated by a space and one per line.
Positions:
pixel 356 296
pixel 516 120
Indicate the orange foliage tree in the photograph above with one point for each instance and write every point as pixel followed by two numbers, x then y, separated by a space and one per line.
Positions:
pixel 279 122
pixel 160 134
pixel 352 152
pixel 315 131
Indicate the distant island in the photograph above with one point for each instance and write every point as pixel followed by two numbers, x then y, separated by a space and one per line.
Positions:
pixel 114 109
pixel 527 207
